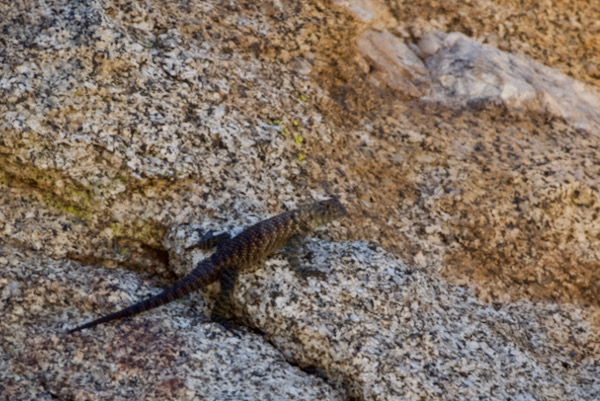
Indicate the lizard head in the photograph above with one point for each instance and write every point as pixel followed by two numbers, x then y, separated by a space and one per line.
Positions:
pixel 323 212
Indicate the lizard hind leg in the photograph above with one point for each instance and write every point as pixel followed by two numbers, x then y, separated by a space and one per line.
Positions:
pixel 223 311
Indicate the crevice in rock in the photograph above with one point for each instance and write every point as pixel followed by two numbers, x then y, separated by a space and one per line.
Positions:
pixel 44 384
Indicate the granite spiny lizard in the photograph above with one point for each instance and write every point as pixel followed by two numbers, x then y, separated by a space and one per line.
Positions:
pixel 232 255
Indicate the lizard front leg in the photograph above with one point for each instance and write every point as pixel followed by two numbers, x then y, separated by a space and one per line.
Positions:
pixel 209 240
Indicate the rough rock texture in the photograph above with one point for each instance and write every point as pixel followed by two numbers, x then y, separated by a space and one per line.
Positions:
pixel 386 331
pixel 462 136
pixel 155 357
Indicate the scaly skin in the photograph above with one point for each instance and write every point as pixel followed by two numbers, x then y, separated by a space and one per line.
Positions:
pixel 232 255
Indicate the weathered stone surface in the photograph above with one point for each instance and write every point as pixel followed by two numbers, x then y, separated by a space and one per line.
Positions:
pixel 388 332
pixel 170 354
pixel 372 12
pixel 462 137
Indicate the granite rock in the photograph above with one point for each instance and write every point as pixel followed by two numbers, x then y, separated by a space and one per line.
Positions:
pixel 462 136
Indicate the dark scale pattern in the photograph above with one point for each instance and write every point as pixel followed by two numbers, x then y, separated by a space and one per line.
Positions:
pixel 232 255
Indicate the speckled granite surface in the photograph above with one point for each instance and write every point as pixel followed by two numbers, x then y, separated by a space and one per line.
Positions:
pixel 462 137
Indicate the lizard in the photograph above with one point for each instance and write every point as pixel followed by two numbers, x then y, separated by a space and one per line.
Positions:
pixel 235 254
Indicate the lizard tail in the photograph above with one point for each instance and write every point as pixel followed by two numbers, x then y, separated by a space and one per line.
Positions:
pixel 195 280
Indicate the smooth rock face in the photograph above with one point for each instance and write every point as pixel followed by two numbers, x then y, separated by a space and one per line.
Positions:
pixel 470 72
pixel 463 138
pixel 460 72
pixel 401 69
